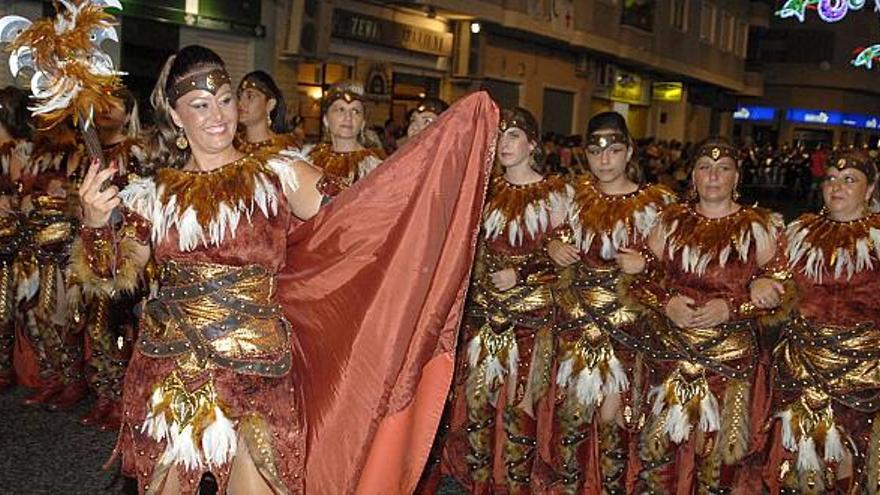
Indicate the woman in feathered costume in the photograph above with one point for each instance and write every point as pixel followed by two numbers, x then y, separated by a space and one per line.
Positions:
pixel 262 112
pixel 600 371
pixel 826 434
pixel 15 145
pixel 109 313
pixel 348 156
pixel 503 370
pixel 714 269
pixel 286 356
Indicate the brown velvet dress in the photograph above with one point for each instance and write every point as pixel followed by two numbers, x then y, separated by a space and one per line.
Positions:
pixel 246 371
pixel 598 341
pixel 503 366
pixel 827 385
pixel 709 396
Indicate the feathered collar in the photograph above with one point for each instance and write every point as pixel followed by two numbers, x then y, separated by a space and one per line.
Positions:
pixel 351 165
pixel 205 207
pixel 269 146
pixel 821 246
pixel 51 149
pixel 619 220
pixel 699 240
pixel 515 211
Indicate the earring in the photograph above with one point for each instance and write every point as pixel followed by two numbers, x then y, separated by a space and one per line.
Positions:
pixel 181 141
pixel 692 195
pixel 735 195
pixel 269 119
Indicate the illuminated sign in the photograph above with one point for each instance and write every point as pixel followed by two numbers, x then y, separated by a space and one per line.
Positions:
pixel 667 91
pixel 820 117
pixel 755 113
pixel 860 121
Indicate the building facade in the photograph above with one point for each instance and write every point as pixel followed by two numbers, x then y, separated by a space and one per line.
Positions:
pixel 676 68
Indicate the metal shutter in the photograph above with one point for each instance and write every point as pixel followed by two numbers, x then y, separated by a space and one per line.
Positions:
pixel 237 51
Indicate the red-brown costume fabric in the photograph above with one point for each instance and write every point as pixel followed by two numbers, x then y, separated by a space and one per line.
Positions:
pixel 731 366
pixel 834 344
pixel 374 286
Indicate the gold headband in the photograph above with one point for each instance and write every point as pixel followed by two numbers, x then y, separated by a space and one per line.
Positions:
pixel 210 81
pixel 256 85
pixel 434 106
pixel 510 123
pixel 341 94
pixel 717 152
pixel 605 140
pixel 866 167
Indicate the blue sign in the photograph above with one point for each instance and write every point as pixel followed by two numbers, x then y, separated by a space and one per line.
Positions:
pixel 820 117
pixel 860 121
pixel 755 113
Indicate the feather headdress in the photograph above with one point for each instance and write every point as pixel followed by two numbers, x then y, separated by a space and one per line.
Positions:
pixel 72 75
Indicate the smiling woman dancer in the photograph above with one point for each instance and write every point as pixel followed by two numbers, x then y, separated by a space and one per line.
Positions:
pixel 265 330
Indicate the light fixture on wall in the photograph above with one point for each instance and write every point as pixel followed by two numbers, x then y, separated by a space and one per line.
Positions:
pixel 476 27
pixel 315 92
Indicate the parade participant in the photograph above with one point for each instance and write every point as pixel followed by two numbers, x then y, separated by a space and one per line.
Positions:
pixel 600 365
pixel 712 264
pixel 347 158
pixel 262 113
pixel 504 363
pixel 425 114
pixel 109 315
pixel 54 154
pixel 266 330
pixel 825 436
pixel 14 156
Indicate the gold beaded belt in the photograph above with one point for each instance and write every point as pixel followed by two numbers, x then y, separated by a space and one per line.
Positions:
pixel 223 315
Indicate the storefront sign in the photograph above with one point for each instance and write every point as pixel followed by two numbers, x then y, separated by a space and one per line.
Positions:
pixel 628 88
pixel 755 113
pixel 819 117
pixel 369 29
pixel 667 91
pixel 860 121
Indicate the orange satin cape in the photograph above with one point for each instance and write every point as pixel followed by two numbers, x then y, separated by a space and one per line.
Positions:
pixel 374 286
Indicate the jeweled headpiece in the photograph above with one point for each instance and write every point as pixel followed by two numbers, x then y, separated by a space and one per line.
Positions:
pixel 433 105
pixel 255 84
pixel 717 151
pixel 521 119
pixel 345 92
pixel 210 80
pixel 603 141
pixel 865 165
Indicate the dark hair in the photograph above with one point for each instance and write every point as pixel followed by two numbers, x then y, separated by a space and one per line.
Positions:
pixel 521 118
pixel 188 60
pixel 278 115
pixel 14 114
pixel 613 121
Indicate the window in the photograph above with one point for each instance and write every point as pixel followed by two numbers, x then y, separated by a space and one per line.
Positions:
pixel 678 17
pixel 707 23
pixel 728 32
pixel 639 14
pixel 557 114
pixel 742 40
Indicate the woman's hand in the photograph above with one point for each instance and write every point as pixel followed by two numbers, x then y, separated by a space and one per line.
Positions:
pixel 630 261
pixel 766 293
pixel 713 313
pixel 504 279
pixel 680 310
pixel 97 205
pixel 563 254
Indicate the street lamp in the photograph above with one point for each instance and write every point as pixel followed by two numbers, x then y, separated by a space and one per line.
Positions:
pixel 476 27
